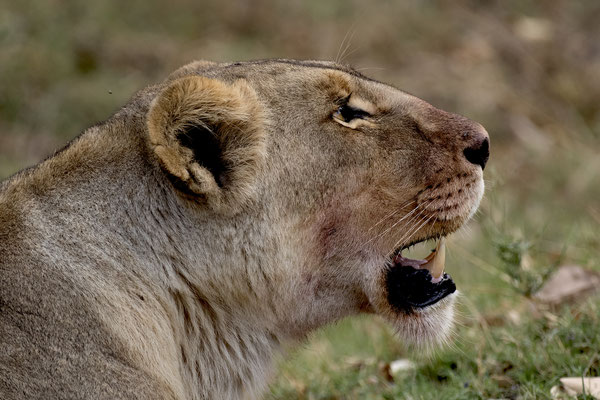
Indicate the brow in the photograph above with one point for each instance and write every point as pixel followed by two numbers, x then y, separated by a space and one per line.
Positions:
pixel 310 64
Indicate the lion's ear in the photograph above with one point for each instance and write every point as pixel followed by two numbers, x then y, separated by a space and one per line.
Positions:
pixel 209 137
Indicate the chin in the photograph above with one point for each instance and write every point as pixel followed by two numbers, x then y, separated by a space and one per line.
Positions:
pixel 426 328
pixel 418 303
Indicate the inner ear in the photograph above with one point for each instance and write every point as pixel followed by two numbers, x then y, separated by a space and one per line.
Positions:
pixel 205 146
pixel 209 138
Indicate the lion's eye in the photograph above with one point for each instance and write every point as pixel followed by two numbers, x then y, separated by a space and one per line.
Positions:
pixel 348 113
pixel 353 114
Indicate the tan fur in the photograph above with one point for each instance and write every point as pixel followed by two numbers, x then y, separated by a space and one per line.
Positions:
pixel 172 251
pixel 237 118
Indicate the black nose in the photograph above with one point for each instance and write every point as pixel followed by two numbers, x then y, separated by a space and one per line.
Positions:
pixel 479 153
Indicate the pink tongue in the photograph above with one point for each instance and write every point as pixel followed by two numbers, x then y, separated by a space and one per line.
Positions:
pixel 408 262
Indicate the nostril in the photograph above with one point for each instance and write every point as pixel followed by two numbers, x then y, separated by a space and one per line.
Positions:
pixel 479 153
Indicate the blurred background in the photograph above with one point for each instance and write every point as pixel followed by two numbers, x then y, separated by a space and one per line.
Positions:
pixel 529 71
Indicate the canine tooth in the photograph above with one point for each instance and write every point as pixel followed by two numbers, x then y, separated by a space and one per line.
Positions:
pixel 431 255
pixel 437 260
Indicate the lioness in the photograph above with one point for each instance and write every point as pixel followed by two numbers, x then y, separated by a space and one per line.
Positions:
pixel 171 251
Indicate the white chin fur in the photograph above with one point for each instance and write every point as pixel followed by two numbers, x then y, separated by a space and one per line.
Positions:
pixel 429 328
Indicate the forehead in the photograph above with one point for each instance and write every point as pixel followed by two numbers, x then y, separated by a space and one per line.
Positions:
pixel 286 66
pixel 284 69
pixel 283 80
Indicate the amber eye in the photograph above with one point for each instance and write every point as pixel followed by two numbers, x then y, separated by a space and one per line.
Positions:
pixel 347 113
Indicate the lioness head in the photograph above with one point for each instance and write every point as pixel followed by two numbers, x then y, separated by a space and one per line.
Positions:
pixel 335 174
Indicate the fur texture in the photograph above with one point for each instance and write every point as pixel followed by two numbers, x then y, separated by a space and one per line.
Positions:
pixel 172 251
pixel 230 113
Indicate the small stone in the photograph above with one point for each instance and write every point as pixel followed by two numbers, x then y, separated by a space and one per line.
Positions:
pixel 578 385
pixel 514 317
pixel 400 365
pixel 534 29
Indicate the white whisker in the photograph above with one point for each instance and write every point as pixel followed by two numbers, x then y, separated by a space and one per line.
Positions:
pixel 350 245
pixel 344 45
pixel 397 210
pixel 407 236
pixel 337 56
pixel 411 222
pixel 348 45
pixel 348 54
pixel 409 214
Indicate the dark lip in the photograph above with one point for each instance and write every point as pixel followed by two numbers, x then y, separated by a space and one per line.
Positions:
pixel 410 288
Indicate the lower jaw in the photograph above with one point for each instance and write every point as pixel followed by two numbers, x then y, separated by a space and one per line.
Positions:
pixel 410 289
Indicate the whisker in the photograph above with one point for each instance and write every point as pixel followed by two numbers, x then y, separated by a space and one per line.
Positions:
pixel 408 225
pixel 406 237
pixel 337 56
pixel 340 53
pixel 392 214
pixel 424 205
pixel 348 54
pixel 408 232
pixel 412 221
pixel 394 225
pixel 348 45
pixel 403 206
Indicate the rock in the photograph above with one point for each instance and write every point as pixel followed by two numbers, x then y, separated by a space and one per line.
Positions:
pixel 573 386
pixel 401 365
pixel 534 29
pixel 569 283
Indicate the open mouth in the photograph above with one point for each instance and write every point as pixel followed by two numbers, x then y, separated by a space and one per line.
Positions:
pixel 418 283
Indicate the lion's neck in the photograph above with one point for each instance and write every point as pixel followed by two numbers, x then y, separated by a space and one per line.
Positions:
pixel 219 289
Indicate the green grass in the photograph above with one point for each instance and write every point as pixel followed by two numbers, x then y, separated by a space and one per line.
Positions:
pixel 495 358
